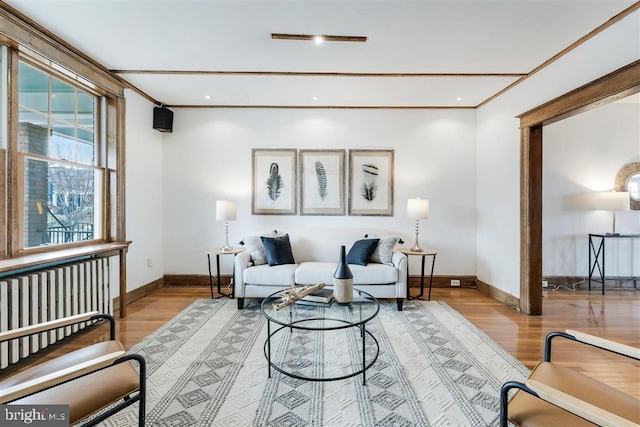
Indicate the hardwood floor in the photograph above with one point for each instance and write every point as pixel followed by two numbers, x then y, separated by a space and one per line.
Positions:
pixel 614 316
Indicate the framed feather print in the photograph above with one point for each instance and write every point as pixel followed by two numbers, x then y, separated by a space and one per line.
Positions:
pixel 371 182
pixel 322 182
pixel 273 181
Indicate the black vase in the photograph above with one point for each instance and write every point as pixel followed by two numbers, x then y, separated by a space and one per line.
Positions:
pixel 343 280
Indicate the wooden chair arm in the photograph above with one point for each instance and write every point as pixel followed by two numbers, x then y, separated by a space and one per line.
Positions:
pixel 46 326
pixel 606 344
pixel 577 406
pixel 46 381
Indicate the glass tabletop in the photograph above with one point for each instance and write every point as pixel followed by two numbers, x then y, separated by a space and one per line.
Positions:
pixel 320 316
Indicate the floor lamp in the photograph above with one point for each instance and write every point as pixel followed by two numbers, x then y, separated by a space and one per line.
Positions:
pixel 417 209
pixel 226 211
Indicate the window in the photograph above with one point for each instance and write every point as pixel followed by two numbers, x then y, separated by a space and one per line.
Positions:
pixel 61 175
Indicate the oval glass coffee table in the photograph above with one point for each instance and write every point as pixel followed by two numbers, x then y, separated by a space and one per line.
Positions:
pixel 321 342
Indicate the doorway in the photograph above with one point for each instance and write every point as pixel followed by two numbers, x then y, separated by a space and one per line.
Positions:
pixel 612 87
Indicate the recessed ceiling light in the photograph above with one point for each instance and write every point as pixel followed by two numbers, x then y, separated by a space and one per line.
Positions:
pixel 315 98
pixel 318 39
pixel 459 98
pixel 207 97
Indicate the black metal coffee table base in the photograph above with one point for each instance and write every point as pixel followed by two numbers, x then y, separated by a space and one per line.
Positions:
pixel 365 366
pixel 338 325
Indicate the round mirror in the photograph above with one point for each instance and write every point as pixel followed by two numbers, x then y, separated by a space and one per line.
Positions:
pixel 633 186
pixel 628 179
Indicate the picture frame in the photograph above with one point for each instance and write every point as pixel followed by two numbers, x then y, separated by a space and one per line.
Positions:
pixel 273 181
pixel 371 182
pixel 322 182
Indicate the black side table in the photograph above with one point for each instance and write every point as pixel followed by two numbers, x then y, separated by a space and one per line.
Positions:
pixel 217 252
pixel 423 254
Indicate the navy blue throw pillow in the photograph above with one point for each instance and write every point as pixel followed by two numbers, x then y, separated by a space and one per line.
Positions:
pixel 278 250
pixel 361 251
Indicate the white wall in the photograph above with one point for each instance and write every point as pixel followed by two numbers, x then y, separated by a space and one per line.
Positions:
pixel 208 157
pixel 144 194
pixel 499 139
pixel 466 162
pixel 581 156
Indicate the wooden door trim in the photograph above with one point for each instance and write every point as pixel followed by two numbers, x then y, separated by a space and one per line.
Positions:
pixel 616 85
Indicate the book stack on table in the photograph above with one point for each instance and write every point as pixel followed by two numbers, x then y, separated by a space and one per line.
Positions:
pixel 322 296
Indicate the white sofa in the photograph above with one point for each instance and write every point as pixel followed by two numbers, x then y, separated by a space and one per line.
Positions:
pixel 316 252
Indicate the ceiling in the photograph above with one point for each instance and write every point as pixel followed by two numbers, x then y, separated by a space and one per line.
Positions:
pixel 418 54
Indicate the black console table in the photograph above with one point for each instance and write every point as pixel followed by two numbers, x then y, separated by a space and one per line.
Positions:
pixel 596 254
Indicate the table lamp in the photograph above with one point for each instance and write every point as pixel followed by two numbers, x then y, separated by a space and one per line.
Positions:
pixel 614 201
pixel 417 209
pixel 226 211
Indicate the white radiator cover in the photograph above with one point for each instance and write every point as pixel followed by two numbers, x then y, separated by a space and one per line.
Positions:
pixel 50 294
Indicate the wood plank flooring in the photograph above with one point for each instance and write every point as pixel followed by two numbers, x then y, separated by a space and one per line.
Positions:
pixel 615 316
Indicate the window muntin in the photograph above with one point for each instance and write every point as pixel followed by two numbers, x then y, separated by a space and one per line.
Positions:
pixel 57 139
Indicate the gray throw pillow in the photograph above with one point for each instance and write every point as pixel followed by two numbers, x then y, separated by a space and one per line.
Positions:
pixel 253 245
pixel 384 251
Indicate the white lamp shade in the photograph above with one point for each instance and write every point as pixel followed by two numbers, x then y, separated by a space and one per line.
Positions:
pixel 418 208
pixel 614 201
pixel 226 210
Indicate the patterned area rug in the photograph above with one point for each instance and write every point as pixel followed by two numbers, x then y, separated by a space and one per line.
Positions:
pixel 206 367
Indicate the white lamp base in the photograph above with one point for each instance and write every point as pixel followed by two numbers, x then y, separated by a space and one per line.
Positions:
pixel 416 247
pixel 226 247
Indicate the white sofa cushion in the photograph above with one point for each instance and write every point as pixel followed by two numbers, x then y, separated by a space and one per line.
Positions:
pixel 311 273
pixel 374 274
pixel 281 275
